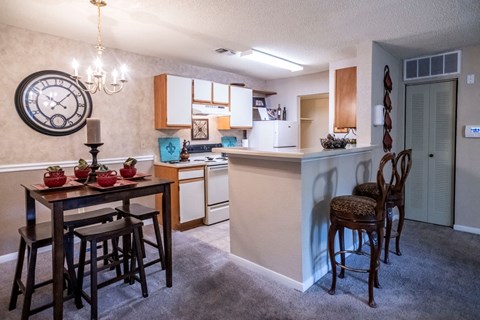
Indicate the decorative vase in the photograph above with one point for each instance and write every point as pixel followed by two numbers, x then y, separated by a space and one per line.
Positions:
pixel 106 178
pixel 128 171
pixel 54 178
pixel 81 173
pixel 184 155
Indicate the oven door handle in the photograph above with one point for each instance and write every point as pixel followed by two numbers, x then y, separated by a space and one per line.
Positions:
pixel 219 167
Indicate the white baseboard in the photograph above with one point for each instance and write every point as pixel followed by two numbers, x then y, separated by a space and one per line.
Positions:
pixel 280 278
pixel 466 229
pixel 13 256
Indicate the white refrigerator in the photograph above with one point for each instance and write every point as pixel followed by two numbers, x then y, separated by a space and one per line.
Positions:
pixel 273 134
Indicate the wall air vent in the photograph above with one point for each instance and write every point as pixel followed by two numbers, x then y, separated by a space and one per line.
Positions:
pixel 432 66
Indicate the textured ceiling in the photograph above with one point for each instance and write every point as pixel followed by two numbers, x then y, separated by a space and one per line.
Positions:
pixel 310 32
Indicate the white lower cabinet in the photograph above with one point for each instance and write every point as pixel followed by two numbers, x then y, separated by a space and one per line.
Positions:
pixel 192 199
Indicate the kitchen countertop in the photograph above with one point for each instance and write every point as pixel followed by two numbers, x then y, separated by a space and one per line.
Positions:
pixel 293 153
pixel 181 164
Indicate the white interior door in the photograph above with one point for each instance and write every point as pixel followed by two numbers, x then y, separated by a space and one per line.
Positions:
pixel 430 129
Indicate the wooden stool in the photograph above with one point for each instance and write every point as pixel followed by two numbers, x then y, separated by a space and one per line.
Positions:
pixel 35 237
pixel 73 221
pixel 360 213
pixel 395 198
pixel 143 213
pixel 103 232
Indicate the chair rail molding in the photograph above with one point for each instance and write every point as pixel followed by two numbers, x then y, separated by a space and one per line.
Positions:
pixel 65 164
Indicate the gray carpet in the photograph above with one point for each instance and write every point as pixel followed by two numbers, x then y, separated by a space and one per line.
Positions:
pixel 438 277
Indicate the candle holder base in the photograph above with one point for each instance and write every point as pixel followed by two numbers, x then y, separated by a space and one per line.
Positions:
pixel 92 176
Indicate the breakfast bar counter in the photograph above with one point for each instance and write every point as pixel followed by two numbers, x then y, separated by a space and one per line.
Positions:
pixel 279 207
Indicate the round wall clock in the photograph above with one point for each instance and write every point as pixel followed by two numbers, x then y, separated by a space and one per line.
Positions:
pixel 52 103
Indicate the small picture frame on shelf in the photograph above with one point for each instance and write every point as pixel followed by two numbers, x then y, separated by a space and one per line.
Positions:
pixel 259 102
pixel 200 129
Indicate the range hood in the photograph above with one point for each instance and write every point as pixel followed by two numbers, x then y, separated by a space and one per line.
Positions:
pixel 207 109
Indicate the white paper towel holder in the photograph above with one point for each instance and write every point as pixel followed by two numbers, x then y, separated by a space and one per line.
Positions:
pixel 378 116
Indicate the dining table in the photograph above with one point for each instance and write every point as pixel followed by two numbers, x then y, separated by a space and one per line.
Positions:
pixel 76 196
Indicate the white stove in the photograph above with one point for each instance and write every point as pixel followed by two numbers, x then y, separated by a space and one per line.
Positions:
pixel 216 181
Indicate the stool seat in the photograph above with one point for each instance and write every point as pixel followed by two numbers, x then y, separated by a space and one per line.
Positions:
pixel 138 211
pixel 104 231
pixel 353 207
pixel 88 218
pixel 368 189
pixel 39 234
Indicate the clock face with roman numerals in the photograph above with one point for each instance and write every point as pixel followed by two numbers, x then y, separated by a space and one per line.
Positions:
pixel 52 103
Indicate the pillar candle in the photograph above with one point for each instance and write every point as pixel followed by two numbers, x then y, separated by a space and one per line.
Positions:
pixel 93 131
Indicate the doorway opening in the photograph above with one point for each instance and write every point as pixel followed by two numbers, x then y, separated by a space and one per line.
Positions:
pixel 314 117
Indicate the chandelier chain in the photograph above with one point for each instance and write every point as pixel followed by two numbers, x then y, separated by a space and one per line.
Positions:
pixel 99 37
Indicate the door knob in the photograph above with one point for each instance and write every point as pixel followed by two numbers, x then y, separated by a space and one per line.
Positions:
pixel 431 155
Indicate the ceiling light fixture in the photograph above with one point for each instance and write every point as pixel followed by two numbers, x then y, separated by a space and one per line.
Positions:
pixel 96 77
pixel 266 58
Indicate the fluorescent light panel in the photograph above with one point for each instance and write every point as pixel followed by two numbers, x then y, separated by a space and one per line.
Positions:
pixel 262 57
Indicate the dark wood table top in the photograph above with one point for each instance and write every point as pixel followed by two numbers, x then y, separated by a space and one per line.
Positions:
pixel 84 195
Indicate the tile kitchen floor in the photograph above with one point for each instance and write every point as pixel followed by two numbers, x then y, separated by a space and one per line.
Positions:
pixel 217 235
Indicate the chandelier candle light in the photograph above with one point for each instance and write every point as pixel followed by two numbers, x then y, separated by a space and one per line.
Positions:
pixel 97 77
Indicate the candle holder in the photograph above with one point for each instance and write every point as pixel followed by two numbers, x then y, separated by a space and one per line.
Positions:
pixel 92 176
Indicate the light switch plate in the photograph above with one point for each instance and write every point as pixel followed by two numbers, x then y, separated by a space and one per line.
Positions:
pixel 470 78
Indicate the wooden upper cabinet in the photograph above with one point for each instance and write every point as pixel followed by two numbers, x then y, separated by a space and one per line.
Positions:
pixel 346 98
pixel 220 93
pixel 202 91
pixel 173 102
pixel 241 116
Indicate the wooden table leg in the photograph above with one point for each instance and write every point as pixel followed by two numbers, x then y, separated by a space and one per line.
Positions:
pixel 167 234
pixel 57 259
pixel 30 213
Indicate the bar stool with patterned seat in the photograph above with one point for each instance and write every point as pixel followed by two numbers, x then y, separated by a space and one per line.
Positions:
pixel 395 198
pixel 360 213
pixel 143 213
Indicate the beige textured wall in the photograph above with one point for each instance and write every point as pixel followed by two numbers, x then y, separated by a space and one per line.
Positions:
pixel 380 58
pixel 467 171
pixel 127 117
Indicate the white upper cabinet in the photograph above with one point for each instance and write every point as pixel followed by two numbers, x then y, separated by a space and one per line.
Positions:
pixel 241 107
pixel 220 93
pixel 202 91
pixel 173 102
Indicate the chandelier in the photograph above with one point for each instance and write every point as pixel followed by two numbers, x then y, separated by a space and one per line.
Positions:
pixel 97 76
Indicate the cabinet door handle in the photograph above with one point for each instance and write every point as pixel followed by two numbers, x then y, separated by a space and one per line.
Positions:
pixel 431 155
